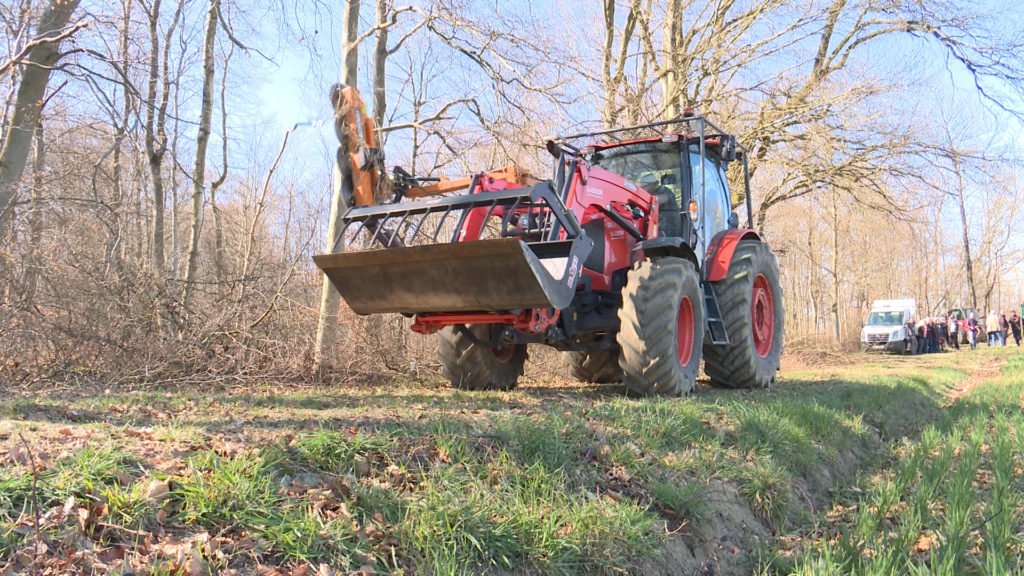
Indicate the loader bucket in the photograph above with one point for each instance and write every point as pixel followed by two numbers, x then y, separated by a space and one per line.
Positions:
pixel 427 256
pixel 486 275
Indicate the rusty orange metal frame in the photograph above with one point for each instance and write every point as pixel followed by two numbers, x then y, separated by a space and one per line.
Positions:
pixel 356 127
pixel 352 121
pixel 509 173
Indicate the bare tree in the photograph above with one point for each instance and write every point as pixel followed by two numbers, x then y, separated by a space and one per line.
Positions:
pixel 156 103
pixel 330 300
pixel 202 139
pixel 957 156
pixel 39 57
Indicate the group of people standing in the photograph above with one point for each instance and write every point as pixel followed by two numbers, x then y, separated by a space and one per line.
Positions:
pixel 936 334
pixel 998 327
pixel 931 335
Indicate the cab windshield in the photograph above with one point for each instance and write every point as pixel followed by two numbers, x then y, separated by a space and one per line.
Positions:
pixel 649 164
pixel 885 319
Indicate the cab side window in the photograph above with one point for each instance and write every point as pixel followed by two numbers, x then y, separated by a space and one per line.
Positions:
pixel 716 203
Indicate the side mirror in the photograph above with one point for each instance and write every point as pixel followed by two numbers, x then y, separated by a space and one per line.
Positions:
pixel 734 220
pixel 553 148
pixel 729 152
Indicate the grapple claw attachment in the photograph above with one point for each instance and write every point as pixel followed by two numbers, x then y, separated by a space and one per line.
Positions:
pixel 508 250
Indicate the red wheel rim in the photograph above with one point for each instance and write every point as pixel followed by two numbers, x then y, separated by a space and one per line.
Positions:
pixel 684 331
pixel 504 355
pixel 762 315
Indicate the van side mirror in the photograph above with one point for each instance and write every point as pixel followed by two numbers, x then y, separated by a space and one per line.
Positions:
pixel 734 220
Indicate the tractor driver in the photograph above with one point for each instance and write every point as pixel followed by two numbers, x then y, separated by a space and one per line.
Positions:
pixel 670 219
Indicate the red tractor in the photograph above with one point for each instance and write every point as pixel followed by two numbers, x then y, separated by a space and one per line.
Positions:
pixel 629 259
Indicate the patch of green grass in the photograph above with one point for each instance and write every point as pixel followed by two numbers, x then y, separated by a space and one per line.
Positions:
pixel 244 494
pixel 87 474
pixel 767 486
pixel 302 534
pixel 127 505
pixel 952 502
pixel 83 472
pixel 685 497
pixel 535 482
pixel 335 452
pixel 221 491
pixel 179 431
pixel 554 440
pixel 507 515
pixel 657 424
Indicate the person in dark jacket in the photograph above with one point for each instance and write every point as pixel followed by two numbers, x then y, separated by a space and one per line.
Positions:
pixel 933 336
pixel 1015 326
pixel 1004 327
pixel 911 340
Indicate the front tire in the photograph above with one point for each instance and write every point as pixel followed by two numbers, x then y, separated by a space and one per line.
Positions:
pixel 661 327
pixel 475 365
pixel 596 367
pixel 750 299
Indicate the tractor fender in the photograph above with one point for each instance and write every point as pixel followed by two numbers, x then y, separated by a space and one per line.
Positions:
pixel 721 249
pixel 665 246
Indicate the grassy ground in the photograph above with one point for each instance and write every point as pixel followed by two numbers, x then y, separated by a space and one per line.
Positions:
pixel 415 478
pixel 950 502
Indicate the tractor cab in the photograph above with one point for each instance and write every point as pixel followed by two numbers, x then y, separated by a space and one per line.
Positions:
pixel 688 180
pixel 681 162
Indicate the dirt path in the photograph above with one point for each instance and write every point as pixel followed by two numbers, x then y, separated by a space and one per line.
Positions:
pixel 979 375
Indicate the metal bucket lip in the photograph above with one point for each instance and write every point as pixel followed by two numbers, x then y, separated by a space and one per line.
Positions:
pixel 482 275
pixel 430 252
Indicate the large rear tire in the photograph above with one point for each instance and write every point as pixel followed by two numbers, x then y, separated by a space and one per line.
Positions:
pixel 750 299
pixel 470 365
pixel 598 367
pixel 661 327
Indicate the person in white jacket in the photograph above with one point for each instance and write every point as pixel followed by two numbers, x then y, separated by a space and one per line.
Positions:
pixel 992 327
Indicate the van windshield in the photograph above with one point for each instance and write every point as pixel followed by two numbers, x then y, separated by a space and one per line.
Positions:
pixel 885 319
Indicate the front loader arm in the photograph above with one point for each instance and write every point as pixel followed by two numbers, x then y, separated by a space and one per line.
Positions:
pixel 365 160
pixel 356 132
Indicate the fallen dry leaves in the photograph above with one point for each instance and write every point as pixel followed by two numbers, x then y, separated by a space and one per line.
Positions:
pixel 924 543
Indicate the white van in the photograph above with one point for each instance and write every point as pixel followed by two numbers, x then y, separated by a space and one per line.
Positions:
pixel 886 326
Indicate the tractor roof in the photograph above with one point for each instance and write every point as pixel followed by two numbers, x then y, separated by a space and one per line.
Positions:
pixel 710 140
pixel 692 127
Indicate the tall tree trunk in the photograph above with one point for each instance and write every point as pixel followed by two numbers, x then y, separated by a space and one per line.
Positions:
pixel 35 219
pixel 330 300
pixel 961 204
pixel 608 110
pixel 613 66
pixel 155 148
pixel 218 224
pixel 156 104
pixel 836 326
pixel 175 212
pixel 814 281
pixel 115 247
pixel 202 139
pixel 672 41
pixel 28 104
pixel 380 59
